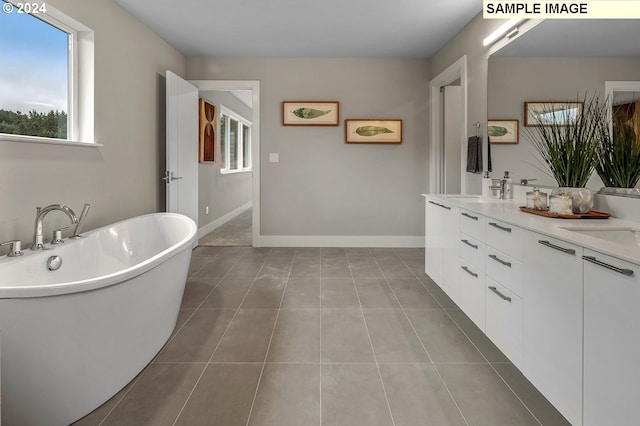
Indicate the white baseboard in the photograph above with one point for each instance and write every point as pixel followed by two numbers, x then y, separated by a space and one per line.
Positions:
pixel 222 220
pixel 338 241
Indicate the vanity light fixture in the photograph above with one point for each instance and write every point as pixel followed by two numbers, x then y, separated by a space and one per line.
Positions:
pixel 502 30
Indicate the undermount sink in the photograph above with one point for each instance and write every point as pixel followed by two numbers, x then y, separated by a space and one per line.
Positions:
pixel 474 199
pixel 624 236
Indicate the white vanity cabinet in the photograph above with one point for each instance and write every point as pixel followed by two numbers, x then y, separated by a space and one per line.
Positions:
pixel 566 315
pixel 611 340
pixel 442 249
pixel 552 321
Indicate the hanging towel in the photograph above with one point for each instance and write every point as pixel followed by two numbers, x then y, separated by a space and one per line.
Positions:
pixel 474 155
pixel 489 168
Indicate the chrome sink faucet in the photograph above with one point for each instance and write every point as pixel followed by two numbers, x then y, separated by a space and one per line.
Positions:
pixel 501 187
pixel 41 212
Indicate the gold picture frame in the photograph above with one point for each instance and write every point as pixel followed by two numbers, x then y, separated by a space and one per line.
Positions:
pixel 503 131
pixel 537 114
pixel 373 130
pixel 310 113
pixel 208 120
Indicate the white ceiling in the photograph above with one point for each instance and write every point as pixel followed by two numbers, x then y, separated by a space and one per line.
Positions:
pixel 576 38
pixel 305 28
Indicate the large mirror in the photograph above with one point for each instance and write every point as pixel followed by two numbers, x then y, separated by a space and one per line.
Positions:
pixel 558 60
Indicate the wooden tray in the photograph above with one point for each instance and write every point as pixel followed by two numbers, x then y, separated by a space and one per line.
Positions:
pixel 591 214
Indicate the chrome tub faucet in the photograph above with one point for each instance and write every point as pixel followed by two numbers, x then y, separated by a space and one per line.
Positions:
pixel 38 240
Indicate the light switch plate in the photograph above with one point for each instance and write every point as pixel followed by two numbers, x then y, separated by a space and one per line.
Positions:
pixel 274 157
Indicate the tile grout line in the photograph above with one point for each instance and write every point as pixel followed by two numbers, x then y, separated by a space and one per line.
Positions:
pixel 273 329
pixel 366 326
pixel 221 338
pixel 145 369
pixel 418 336
pixel 474 345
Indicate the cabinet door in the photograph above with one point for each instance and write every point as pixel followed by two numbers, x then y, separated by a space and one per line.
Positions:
pixel 552 295
pixel 442 249
pixel 504 320
pixel 611 341
pixel 450 282
pixel 472 293
pixel 433 242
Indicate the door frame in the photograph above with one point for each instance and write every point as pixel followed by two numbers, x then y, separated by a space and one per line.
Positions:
pixel 455 71
pixel 254 86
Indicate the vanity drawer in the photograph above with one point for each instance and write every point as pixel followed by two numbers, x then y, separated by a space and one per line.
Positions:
pixel 472 251
pixel 472 293
pixel 503 320
pixel 505 237
pixel 473 224
pixel 505 269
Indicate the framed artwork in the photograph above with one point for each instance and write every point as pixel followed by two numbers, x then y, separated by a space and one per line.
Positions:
pixel 207 135
pixel 551 113
pixel 503 131
pixel 379 130
pixel 310 113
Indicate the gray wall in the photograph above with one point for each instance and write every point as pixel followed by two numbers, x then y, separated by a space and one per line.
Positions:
pixel 121 179
pixel 322 186
pixel 512 81
pixel 222 193
pixel 469 42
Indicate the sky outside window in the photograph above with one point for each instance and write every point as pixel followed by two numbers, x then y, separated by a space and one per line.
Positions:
pixel 33 64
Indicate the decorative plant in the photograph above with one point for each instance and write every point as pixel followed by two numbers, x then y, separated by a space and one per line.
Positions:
pixel 619 159
pixel 569 143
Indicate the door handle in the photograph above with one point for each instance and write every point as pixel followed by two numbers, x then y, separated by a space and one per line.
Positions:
pixel 168 176
pixel 502 296
pixel 623 271
pixel 497 259
pixel 469 244
pixel 502 228
pixel 469 271
pixel 553 246
pixel 469 216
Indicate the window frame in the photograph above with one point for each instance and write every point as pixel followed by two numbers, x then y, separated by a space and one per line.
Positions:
pixel 80 83
pixel 242 122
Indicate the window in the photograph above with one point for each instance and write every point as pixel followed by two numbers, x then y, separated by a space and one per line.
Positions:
pixel 41 97
pixel 235 142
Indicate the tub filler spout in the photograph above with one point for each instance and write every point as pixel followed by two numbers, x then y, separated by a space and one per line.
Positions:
pixel 41 212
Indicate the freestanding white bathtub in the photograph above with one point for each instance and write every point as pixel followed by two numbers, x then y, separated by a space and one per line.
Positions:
pixel 74 337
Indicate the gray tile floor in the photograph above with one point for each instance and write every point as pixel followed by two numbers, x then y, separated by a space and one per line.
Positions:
pixel 316 336
pixel 236 232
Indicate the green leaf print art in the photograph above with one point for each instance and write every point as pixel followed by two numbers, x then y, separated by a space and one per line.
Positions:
pixel 309 113
pixel 372 130
pixel 367 130
pixel 497 131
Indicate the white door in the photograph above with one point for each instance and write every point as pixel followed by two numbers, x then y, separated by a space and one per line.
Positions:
pixel 181 175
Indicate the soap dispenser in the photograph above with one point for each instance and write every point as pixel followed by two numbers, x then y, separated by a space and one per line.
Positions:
pixel 486 185
pixel 508 186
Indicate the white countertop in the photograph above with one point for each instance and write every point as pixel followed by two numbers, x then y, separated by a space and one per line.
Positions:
pixel 508 211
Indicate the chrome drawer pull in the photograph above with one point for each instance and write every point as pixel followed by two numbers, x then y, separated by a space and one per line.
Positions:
pixel 470 216
pixel 440 205
pixel 497 259
pixel 623 271
pixel 553 246
pixel 469 244
pixel 502 296
pixel 502 228
pixel 473 274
